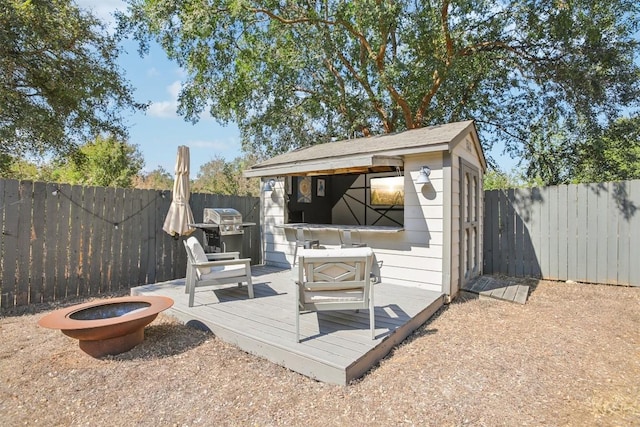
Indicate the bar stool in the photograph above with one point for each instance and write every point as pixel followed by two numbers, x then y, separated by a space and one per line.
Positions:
pixel 303 242
pixel 346 242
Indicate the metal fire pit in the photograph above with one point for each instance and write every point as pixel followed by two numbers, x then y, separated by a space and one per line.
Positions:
pixel 107 326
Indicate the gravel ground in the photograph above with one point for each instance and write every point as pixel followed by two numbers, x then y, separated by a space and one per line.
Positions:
pixel 570 356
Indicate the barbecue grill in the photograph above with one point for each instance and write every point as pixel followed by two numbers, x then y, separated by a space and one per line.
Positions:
pixel 223 229
pixel 229 220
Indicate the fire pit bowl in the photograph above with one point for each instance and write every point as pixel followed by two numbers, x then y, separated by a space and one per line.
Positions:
pixel 108 326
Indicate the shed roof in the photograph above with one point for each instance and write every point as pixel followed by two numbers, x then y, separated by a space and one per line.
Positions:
pixel 377 153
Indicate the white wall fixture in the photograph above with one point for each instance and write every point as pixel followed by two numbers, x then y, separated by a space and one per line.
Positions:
pixel 269 185
pixel 423 176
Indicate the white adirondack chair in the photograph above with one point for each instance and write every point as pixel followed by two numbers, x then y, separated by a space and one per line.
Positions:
pixel 214 269
pixel 335 279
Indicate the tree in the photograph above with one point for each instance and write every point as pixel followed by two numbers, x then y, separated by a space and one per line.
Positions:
pixel 59 83
pixel 613 155
pixel 495 179
pixel 221 177
pixel 296 73
pixel 12 167
pixel 157 179
pixel 105 162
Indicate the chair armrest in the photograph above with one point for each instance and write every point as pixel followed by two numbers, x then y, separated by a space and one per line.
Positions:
pixel 216 256
pixel 238 261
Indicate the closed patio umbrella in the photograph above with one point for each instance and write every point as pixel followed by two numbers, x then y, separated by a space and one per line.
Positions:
pixel 180 216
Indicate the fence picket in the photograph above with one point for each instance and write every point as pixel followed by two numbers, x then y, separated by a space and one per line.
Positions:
pixel 23 240
pixel 86 203
pixel 10 233
pixel 543 251
pixel 572 231
pixel 504 232
pixel 551 228
pixel 535 231
pixel 613 219
pixel 51 242
pixel 93 234
pixel 633 213
pixel 601 221
pixel 37 244
pixel 62 239
pixel 4 297
pixel 75 244
pixel 488 232
pixel 624 233
pixel 583 234
pixel 128 243
pixel 562 246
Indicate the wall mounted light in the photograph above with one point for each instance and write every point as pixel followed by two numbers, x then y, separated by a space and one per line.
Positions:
pixel 423 176
pixel 270 185
pixel 56 191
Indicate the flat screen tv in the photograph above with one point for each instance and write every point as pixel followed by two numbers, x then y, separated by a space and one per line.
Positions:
pixel 388 191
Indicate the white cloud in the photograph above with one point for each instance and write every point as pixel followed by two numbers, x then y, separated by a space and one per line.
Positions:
pixel 167 109
pixel 153 72
pixel 163 109
pixel 174 89
pixel 218 145
pixel 103 9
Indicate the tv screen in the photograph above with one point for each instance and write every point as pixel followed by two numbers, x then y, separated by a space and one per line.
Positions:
pixel 388 191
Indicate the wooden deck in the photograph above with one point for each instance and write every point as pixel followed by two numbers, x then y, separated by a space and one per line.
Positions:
pixel 336 347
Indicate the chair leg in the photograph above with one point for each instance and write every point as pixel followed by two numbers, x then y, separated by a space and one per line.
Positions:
pixel 192 291
pixel 187 279
pixel 372 322
pixel 250 287
pixel 297 322
pixel 372 315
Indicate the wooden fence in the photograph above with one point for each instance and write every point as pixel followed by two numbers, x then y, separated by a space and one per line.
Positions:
pixel 63 241
pixel 586 232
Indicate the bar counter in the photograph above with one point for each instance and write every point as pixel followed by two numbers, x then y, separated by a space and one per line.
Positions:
pixel 339 227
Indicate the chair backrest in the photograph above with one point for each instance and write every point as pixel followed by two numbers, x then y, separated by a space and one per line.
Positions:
pixel 300 235
pixel 346 237
pixel 336 269
pixel 196 254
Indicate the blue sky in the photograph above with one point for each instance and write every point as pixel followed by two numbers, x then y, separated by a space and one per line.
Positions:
pixel 159 131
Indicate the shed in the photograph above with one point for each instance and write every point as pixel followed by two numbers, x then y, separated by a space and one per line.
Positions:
pixel 426 235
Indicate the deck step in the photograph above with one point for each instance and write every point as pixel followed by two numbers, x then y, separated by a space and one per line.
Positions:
pixel 505 290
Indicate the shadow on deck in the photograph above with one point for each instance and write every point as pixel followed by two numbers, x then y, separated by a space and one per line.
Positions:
pixel 336 347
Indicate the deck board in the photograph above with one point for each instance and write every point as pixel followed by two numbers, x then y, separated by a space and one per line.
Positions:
pixel 336 347
pixel 491 287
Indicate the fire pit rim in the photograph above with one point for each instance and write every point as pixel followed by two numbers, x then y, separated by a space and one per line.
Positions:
pixel 60 319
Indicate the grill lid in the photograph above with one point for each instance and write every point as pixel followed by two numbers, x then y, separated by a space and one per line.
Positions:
pixel 229 219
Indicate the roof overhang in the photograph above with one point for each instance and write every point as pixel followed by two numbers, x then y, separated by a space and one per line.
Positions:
pixel 381 153
pixel 332 166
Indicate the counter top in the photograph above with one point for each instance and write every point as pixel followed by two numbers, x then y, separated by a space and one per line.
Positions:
pixel 339 227
pixel 208 225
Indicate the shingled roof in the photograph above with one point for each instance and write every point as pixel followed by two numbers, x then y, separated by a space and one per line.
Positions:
pixel 361 154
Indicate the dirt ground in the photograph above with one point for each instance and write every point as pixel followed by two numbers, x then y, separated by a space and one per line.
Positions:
pixel 570 356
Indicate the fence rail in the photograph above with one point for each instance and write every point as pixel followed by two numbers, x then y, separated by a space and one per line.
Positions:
pixel 63 241
pixel 583 232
